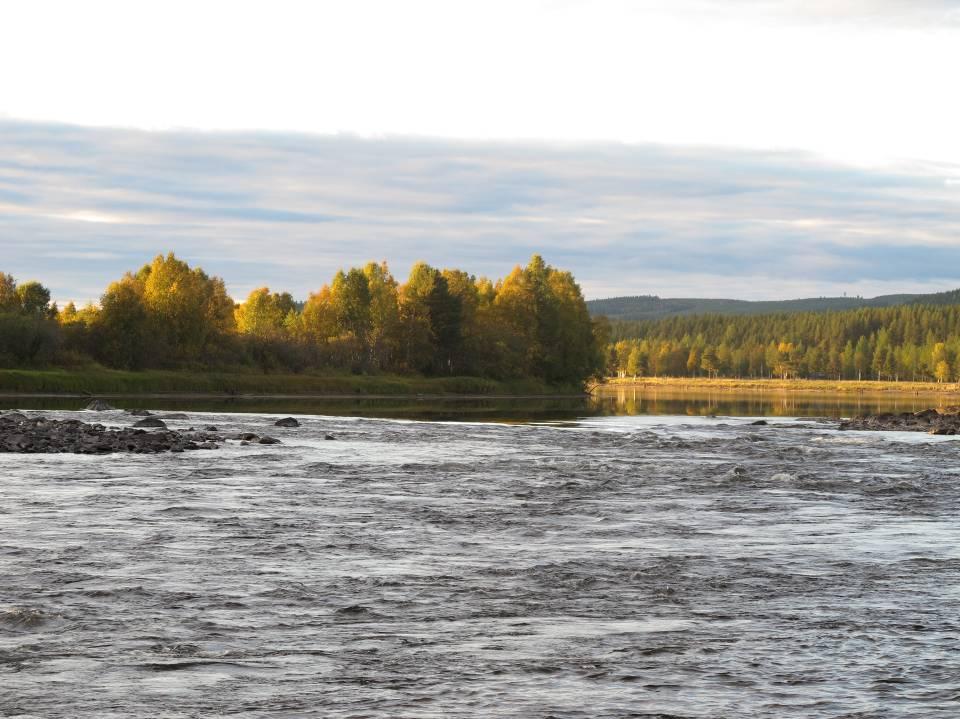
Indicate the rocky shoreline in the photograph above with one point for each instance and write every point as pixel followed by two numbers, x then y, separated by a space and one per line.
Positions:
pixel 40 435
pixel 929 420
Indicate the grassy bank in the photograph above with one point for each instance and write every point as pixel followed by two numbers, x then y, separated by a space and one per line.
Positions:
pixel 788 385
pixel 103 382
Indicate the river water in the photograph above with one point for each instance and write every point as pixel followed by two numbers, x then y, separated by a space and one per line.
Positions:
pixel 608 566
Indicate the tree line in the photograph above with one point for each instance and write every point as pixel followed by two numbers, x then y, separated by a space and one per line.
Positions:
pixel 907 342
pixel 533 323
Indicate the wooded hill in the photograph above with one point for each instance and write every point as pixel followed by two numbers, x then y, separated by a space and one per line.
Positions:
pixel 651 307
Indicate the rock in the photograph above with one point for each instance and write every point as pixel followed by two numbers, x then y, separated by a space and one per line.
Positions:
pixel 286 422
pixel 151 422
pixel 210 428
pixel 42 435
pixel 928 420
pixel 328 436
pixel 98 405
pixel 759 423
pixel 269 440
pixel 14 417
pixel 247 436
pixel 139 412
pixel 173 415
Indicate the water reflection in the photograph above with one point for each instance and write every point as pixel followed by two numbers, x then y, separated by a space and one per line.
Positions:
pixel 651 401
pixel 610 401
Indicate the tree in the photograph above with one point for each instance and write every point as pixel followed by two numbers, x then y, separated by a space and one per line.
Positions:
pixel 942 371
pixel 188 310
pixel 9 301
pixel 264 314
pixel 708 362
pixel 34 299
pixel 122 327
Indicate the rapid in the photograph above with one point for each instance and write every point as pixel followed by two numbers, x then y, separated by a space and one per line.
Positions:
pixel 651 566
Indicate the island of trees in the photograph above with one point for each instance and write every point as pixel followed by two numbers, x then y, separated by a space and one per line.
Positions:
pixel 915 342
pixel 533 323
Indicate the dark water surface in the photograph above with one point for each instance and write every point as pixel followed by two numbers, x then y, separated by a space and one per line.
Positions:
pixel 608 401
pixel 602 567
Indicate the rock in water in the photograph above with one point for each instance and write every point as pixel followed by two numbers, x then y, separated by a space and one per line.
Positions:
pixel 139 412
pixel 174 415
pixel 269 440
pixel 286 422
pixel 151 422
pixel 42 435
pixel 759 423
pixel 98 405
pixel 928 420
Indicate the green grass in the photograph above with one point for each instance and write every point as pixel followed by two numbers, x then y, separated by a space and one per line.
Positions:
pixel 116 382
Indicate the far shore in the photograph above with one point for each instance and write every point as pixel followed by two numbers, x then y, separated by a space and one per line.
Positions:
pixel 242 397
pixel 202 384
pixel 807 386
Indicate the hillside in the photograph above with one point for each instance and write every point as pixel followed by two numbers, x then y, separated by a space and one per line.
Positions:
pixel 651 307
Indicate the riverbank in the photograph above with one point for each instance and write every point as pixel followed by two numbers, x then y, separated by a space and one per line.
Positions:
pixel 809 386
pixel 116 383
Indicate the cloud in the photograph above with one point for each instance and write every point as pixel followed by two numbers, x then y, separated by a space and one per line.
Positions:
pixel 79 206
pixel 911 13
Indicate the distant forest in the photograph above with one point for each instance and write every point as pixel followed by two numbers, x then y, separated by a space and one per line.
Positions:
pixel 904 342
pixel 531 324
pixel 651 307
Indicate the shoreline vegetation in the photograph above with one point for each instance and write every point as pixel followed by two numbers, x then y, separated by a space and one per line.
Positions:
pixel 169 327
pixel 807 386
pixel 200 384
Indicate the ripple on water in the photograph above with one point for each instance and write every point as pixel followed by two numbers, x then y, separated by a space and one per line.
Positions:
pixel 685 567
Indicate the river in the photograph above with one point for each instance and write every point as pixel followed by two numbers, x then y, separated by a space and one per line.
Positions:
pixel 585 565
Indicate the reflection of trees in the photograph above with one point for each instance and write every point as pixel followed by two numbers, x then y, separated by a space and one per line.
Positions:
pixel 629 401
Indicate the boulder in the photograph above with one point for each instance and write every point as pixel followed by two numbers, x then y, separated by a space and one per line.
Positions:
pixel 139 412
pixel 328 437
pixel 269 440
pixel 98 405
pixel 286 422
pixel 151 422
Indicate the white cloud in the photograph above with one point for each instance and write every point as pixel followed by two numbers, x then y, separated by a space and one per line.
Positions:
pixel 80 206
pixel 851 79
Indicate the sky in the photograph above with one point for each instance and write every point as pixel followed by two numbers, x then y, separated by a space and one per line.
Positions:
pixel 725 148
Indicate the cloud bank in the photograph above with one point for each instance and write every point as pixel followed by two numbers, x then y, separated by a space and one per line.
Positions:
pixel 79 206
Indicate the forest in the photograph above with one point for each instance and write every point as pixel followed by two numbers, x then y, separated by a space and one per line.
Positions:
pixel 906 342
pixel 533 323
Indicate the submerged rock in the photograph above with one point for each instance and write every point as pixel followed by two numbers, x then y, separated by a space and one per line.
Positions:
pixel 286 422
pixel 139 412
pixel 173 415
pixel 98 405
